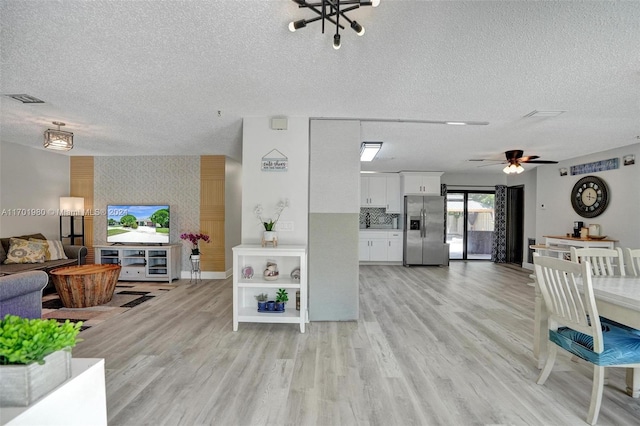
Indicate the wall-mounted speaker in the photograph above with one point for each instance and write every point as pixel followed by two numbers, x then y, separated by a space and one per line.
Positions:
pixel 279 123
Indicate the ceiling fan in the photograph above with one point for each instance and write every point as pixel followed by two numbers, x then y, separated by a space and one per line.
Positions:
pixel 514 159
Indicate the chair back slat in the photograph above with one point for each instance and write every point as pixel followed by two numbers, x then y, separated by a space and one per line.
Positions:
pixel 568 295
pixel 603 261
pixel 632 261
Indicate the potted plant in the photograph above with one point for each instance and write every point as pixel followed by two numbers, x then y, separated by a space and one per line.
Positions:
pixel 35 357
pixel 281 298
pixel 270 225
pixel 195 239
pixel 262 301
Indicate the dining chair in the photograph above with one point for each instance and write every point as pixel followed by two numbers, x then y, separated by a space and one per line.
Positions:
pixel 603 261
pixel 574 325
pixel 632 261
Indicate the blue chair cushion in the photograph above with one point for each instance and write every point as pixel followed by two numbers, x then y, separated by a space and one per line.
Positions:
pixel 621 343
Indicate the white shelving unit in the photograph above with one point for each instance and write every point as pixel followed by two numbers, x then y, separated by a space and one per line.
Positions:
pixel 287 257
pixel 143 263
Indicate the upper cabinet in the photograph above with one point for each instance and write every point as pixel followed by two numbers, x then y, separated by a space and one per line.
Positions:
pixel 373 191
pixel 425 183
pixel 394 196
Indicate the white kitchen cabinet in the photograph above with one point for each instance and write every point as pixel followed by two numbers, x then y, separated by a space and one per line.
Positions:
pixel 421 183
pixel 380 246
pixel 254 257
pixel 373 246
pixel 394 247
pixel 394 197
pixel 373 191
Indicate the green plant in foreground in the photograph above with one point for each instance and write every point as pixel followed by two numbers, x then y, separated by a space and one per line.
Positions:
pixel 25 341
pixel 282 296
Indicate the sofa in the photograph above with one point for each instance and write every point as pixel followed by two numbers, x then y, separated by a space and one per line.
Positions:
pixel 21 294
pixel 52 256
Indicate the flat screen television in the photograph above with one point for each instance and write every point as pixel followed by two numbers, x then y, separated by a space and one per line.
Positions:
pixel 138 224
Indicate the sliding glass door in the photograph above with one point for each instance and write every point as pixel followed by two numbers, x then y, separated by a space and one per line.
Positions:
pixel 470 221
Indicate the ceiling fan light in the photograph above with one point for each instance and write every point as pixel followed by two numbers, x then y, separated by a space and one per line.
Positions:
pixel 375 3
pixel 519 169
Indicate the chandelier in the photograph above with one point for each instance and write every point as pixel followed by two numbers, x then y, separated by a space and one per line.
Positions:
pixel 332 11
pixel 58 139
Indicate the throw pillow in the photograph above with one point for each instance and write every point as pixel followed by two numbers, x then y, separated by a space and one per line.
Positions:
pixel 3 254
pixel 53 249
pixel 24 251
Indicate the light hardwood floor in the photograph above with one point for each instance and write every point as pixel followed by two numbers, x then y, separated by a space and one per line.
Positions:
pixel 432 346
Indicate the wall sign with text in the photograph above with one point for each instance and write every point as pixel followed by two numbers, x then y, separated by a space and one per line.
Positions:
pixel 275 161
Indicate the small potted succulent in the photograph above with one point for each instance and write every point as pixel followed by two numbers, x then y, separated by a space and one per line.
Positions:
pixel 262 299
pixel 281 298
pixel 35 357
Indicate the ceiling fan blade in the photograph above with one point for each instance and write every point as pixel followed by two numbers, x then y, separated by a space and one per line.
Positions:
pixel 540 162
pixel 494 164
pixel 527 158
pixel 486 159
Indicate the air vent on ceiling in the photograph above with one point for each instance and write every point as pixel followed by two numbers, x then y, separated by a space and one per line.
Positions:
pixel 26 99
pixel 536 113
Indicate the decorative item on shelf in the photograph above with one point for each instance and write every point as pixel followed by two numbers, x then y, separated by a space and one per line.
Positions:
pixel 594 230
pixel 295 274
pixel 262 299
pixel 269 234
pixel 195 239
pixel 281 298
pixel 247 272
pixel 271 273
pixel 35 357
pixel 597 237
pixel 584 233
pixel 298 300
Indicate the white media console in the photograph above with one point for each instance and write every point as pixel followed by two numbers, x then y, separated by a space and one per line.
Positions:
pixel 143 262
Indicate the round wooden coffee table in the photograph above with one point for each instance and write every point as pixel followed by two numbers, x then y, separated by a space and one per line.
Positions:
pixel 82 286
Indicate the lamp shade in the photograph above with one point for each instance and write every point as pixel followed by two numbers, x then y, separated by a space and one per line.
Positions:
pixel 71 206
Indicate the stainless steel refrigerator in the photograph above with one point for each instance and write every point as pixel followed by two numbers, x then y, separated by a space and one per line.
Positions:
pixel 424 231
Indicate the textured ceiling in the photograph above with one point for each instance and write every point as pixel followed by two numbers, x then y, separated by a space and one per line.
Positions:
pixel 176 77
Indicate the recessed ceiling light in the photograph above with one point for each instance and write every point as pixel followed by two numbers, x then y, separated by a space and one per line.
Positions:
pixel 26 99
pixel 536 113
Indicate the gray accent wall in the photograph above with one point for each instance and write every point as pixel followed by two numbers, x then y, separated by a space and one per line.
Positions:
pixel 334 209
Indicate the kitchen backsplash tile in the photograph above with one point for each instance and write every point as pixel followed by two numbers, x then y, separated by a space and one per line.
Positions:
pixel 378 217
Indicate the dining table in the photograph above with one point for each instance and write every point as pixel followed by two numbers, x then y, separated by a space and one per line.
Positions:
pixel 617 298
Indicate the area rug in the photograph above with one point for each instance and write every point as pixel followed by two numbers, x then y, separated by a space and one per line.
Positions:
pixel 125 297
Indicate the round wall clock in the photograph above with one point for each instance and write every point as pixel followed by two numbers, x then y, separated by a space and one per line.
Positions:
pixel 590 196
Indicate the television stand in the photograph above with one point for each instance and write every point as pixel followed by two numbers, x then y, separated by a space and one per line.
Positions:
pixel 143 262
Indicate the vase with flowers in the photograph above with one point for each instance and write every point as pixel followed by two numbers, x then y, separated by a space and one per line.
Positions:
pixel 195 239
pixel 270 224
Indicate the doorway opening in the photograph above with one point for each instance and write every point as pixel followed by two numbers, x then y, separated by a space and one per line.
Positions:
pixel 515 224
pixel 470 224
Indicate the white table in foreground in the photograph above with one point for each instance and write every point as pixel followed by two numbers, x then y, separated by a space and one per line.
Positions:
pixel 617 298
pixel 81 400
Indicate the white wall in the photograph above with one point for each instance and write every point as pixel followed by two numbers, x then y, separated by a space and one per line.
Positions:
pixel 619 221
pixel 31 179
pixel 268 188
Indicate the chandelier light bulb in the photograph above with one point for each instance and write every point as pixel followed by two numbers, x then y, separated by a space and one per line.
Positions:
pixel 359 29
pixel 375 3
pixel 336 41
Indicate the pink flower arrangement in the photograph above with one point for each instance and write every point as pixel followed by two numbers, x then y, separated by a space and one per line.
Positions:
pixel 195 239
